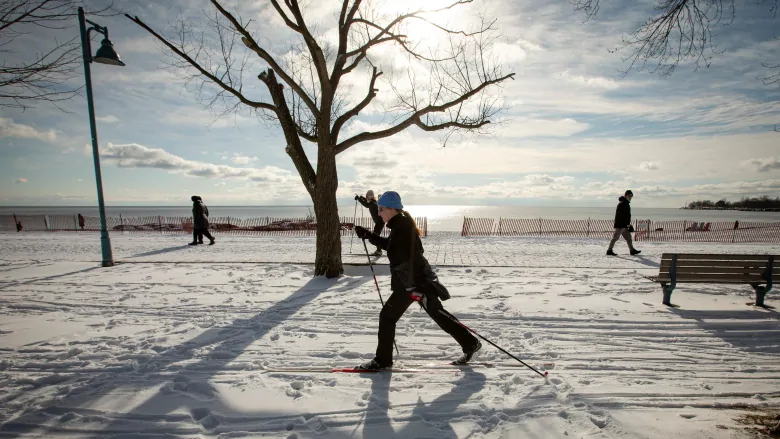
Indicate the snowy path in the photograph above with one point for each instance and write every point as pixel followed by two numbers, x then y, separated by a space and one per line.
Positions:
pixel 441 248
pixel 152 349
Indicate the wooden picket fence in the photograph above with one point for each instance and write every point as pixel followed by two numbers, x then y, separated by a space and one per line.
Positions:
pixel 645 230
pixel 180 225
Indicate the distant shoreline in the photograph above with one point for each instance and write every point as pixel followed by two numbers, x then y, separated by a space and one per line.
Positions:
pixel 741 209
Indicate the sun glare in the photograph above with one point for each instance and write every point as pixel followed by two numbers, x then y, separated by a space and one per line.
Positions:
pixel 419 30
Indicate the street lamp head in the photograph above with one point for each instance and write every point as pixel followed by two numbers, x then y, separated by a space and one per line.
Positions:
pixel 107 55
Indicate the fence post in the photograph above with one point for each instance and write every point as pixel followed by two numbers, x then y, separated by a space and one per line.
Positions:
pixel 75 224
pixel 121 224
pixel 159 221
pixel 685 224
pixel 588 232
pixel 540 227
pixel 46 222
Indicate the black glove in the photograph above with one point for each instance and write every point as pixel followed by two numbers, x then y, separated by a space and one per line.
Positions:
pixel 362 232
pixel 357 197
pixel 630 228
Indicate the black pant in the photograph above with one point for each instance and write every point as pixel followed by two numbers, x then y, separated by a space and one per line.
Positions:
pixel 395 307
pixel 378 227
pixel 198 234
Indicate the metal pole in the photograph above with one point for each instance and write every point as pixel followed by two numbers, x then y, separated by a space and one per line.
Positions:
pixel 105 241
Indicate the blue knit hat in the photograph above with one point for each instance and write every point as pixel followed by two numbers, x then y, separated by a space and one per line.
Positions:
pixel 390 199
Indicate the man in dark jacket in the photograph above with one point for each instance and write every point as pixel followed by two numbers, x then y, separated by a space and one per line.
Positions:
pixel 200 221
pixel 369 201
pixel 623 224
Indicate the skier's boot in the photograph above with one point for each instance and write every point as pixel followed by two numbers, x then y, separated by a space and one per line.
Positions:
pixel 378 252
pixel 373 365
pixel 611 253
pixel 468 355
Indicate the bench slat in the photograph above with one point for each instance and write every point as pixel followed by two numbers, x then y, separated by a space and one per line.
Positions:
pixel 757 270
pixel 736 264
pixel 714 278
pixel 717 257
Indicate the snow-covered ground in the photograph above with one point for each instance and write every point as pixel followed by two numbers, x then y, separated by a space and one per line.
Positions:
pixel 177 341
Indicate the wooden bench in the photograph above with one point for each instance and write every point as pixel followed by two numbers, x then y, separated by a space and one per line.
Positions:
pixel 759 271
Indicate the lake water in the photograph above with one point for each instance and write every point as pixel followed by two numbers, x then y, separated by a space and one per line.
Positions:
pixel 440 217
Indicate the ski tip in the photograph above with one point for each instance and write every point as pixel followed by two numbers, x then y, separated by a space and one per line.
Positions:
pixel 545 373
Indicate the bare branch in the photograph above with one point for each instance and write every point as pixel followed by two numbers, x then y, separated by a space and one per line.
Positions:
pixel 682 30
pixel 415 118
pixel 344 118
pixel 211 76
pixel 589 7
pixel 294 148
pixel 250 42
pixel 679 31
pixel 43 78
pixel 315 51
pixel 773 78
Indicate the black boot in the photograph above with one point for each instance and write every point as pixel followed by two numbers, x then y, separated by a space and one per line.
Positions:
pixel 468 355
pixel 373 365
pixel 635 252
pixel 193 243
pixel 611 253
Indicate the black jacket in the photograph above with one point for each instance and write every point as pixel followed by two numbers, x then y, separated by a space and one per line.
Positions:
pixel 409 269
pixel 623 213
pixel 372 208
pixel 200 215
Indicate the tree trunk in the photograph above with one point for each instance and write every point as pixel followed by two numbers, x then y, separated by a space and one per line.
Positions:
pixel 328 259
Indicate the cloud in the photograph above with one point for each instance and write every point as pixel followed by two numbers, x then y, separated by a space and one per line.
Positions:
pixel 20 180
pixel 764 164
pixel 107 119
pixel 590 81
pixel 134 155
pixel 648 166
pixel 242 159
pixel 8 128
pixel 534 127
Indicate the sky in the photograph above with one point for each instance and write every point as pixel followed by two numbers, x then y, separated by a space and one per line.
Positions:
pixel 575 131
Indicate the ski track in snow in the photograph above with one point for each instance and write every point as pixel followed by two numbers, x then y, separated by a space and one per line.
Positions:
pixel 152 349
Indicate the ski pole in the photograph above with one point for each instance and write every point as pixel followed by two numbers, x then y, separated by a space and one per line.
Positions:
pixel 370 264
pixel 452 317
pixel 354 214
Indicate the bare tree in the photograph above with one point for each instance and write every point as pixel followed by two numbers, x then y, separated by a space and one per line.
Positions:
pixel 42 77
pixel 774 76
pixel 678 31
pixel 307 97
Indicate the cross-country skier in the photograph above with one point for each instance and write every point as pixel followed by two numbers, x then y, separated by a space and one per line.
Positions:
pixel 412 279
pixel 369 201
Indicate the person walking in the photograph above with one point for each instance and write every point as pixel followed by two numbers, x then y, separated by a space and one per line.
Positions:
pixel 369 201
pixel 200 222
pixel 81 221
pixel 411 279
pixel 623 225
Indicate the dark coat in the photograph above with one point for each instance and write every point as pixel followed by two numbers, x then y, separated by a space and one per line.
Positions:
pixel 373 208
pixel 409 270
pixel 623 213
pixel 200 215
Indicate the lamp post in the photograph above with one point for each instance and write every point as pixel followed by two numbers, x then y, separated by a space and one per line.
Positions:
pixel 104 55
